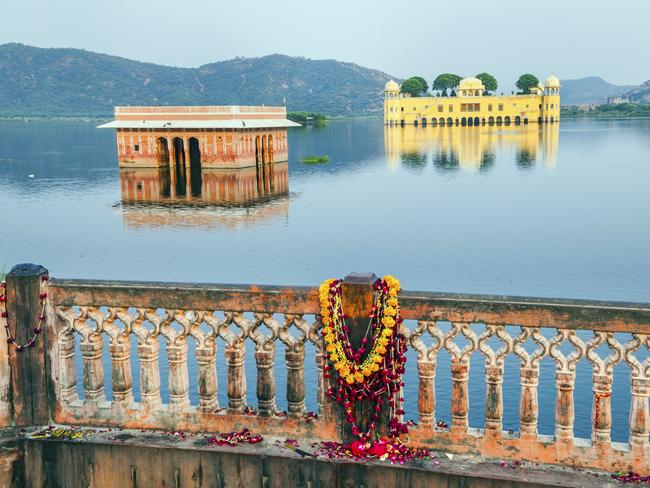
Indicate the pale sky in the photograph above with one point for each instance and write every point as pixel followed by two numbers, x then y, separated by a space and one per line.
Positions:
pixel 570 38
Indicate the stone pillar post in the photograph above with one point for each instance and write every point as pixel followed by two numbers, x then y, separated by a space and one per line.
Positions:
pixel 357 297
pixel 29 382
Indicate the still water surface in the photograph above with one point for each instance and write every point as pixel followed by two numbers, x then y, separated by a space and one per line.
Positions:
pixel 561 211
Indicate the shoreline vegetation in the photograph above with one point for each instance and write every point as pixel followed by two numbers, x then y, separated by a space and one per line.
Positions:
pixel 619 111
pixel 307 118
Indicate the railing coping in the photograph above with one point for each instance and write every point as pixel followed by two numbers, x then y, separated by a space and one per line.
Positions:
pixel 460 307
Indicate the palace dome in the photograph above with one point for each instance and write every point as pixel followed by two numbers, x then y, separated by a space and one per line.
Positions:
pixel 471 84
pixel 552 82
pixel 391 86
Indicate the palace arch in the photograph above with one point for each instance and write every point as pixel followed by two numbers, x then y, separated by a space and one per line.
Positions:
pixel 195 166
pixel 162 150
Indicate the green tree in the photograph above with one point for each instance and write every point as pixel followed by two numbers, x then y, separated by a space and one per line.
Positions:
pixel 414 86
pixel 489 82
pixel 446 82
pixel 526 82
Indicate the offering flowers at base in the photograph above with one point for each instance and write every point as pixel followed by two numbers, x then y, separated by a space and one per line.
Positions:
pixel 234 438
pixel 385 449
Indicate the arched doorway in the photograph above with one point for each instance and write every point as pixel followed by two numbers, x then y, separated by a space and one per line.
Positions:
pixel 196 180
pixel 178 150
pixel 270 149
pixel 415 122
pixel 258 150
pixel 463 121
pixel 491 121
pixel 517 120
pixel 507 120
pixel 499 120
pixel 477 121
pixel 525 120
pixel 434 122
pixel 457 121
pixel 483 121
pixel 264 155
pixel 450 121
pixel 441 121
pixel 401 123
pixel 551 119
pixel 162 150
pixel 424 121
pixel 540 120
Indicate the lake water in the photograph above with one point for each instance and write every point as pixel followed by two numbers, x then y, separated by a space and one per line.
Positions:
pixel 557 211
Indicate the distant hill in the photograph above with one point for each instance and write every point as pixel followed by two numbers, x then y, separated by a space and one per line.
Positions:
pixel 73 82
pixel 640 94
pixel 591 89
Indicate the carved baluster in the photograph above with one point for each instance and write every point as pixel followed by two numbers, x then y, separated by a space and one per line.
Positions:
pixel 602 385
pixel 602 409
pixel 640 386
pixel 529 403
pixel 459 396
pixel 207 378
pixel 426 393
pixel 460 362
pixel 565 382
pixel 564 406
pixel 317 341
pixel 295 358
pixel 235 356
pixel 529 379
pixel 426 367
pixel 206 355
pixel 67 381
pixel 148 353
pixel 494 377
pixel 91 354
pixel 494 400
pixel 179 381
pixel 120 350
pixel 265 359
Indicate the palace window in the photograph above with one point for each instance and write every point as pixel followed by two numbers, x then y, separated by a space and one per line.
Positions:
pixel 540 106
pixel 402 109
pixel 136 147
pixel 547 106
pixel 391 109
pixel 440 108
pixel 451 108
pixel 551 105
pixel 500 107
pixel 489 107
pixel 426 107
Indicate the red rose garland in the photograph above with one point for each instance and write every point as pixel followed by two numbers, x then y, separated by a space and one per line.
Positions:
pixel 5 315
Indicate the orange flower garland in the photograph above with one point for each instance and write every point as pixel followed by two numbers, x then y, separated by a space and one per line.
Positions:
pixel 373 375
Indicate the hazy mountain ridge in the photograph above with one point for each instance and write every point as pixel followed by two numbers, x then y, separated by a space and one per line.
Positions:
pixel 640 94
pixel 73 82
pixel 589 90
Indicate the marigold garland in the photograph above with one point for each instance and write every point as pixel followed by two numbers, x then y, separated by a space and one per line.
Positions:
pixel 374 375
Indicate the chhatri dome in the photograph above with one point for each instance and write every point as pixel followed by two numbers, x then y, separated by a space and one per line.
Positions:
pixel 552 82
pixel 391 86
pixel 470 84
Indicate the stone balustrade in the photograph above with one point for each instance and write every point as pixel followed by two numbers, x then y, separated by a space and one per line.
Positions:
pixel 132 322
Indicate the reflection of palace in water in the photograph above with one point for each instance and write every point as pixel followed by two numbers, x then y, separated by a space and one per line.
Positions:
pixel 472 147
pixel 154 197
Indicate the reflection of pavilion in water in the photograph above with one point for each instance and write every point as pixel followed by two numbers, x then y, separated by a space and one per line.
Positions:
pixel 471 147
pixel 181 199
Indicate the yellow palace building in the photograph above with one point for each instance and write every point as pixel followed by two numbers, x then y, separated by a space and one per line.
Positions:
pixel 470 107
